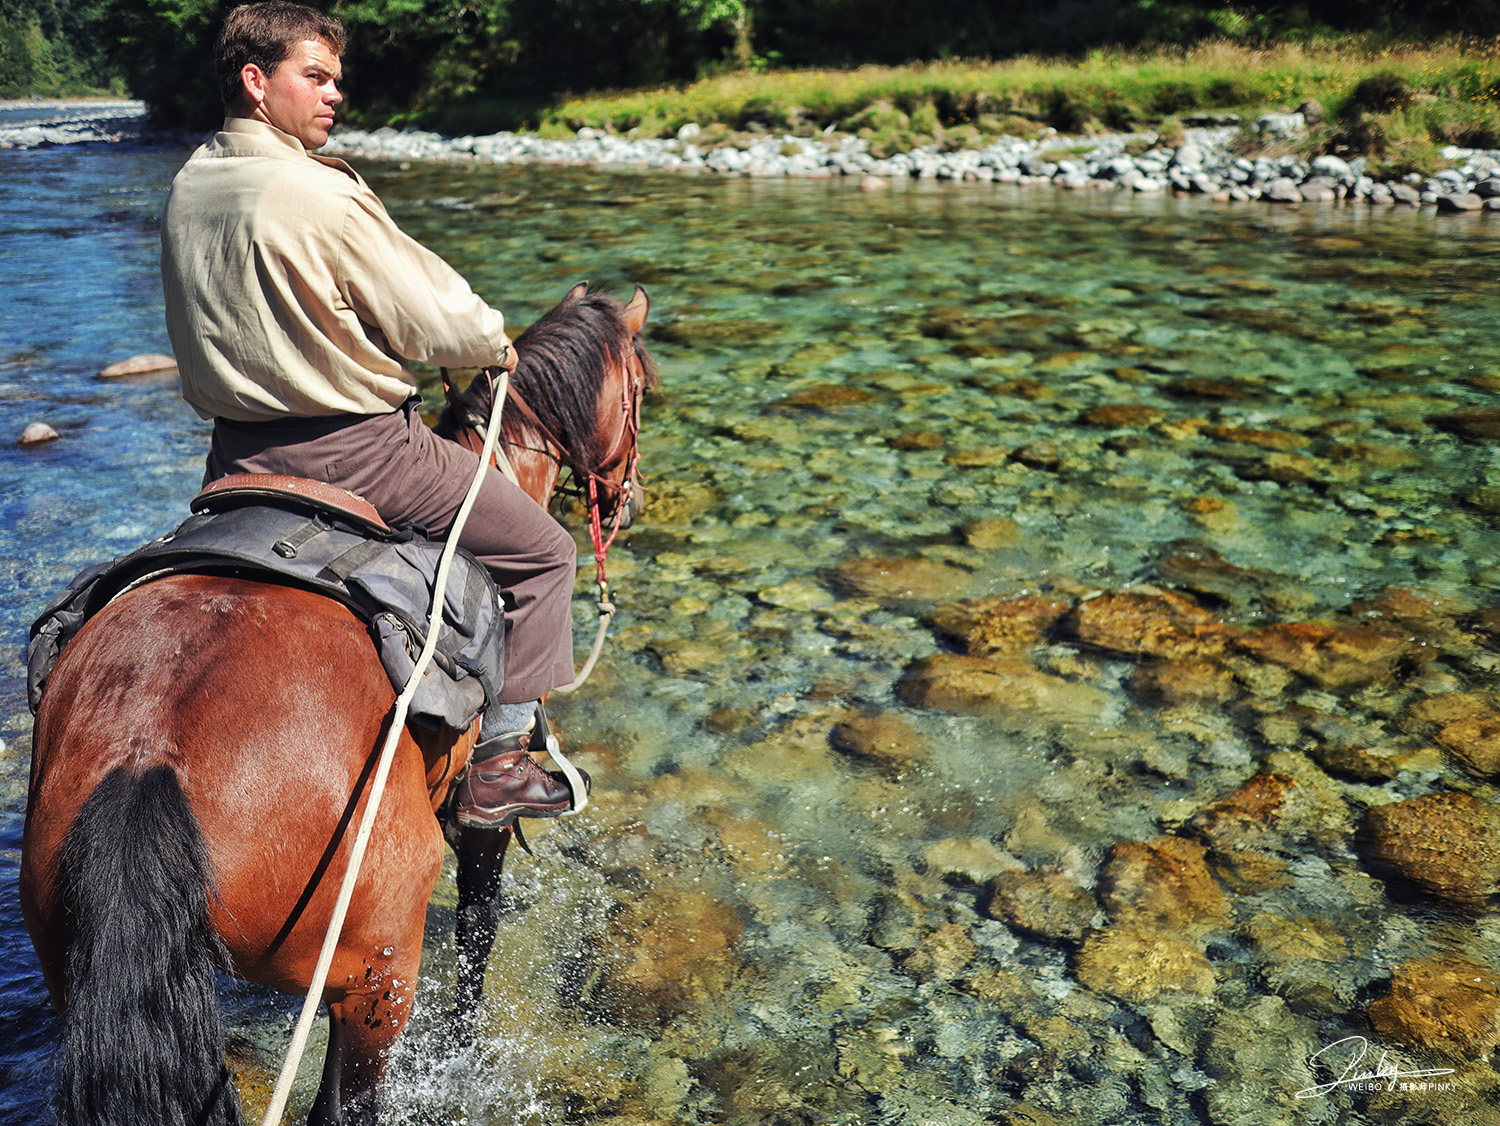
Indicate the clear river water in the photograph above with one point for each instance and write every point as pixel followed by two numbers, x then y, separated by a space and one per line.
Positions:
pixel 865 849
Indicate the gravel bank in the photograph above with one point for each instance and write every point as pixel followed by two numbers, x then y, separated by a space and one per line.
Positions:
pixel 1203 163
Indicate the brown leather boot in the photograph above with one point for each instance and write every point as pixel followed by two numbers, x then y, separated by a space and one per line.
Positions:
pixel 504 782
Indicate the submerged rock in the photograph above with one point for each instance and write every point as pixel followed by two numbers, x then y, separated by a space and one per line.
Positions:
pixel 980 685
pixel 147 364
pixel 1446 1005
pixel 1049 905
pixel 671 948
pixel 1137 963
pixel 1200 570
pixel 1164 883
pixel 1175 683
pixel 1477 425
pixel 900 581
pixel 989 626
pixel 887 740
pixel 828 396
pixel 941 955
pixel 1295 955
pixel 1114 415
pixel 1146 621
pixel 1273 811
pixel 992 532
pixel 1448 845
pixel 1329 654
pixel 1467 727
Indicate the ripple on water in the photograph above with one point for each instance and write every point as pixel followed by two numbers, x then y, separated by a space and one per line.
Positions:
pixel 1035 597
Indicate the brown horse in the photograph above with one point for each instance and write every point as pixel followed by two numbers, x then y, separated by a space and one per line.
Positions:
pixel 201 753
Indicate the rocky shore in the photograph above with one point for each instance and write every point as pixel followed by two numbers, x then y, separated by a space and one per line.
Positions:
pixel 1204 162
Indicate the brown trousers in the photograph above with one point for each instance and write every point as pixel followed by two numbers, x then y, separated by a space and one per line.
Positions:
pixel 411 476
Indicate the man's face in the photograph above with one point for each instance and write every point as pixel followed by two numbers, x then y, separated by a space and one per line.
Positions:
pixel 299 95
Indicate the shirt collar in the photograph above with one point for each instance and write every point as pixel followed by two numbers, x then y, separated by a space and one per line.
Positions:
pixel 259 135
pixel 247 136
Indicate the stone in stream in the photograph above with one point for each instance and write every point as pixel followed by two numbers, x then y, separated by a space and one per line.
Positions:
pixel 36 434
pixel 1146 621
pixel 1176 683
pixel 1164 884
pixel 992 532
pixel 1261 1036
pixel 887 740
pixel 900 581
pixel 1488 189
pixel 1295 956
pixel 672 948
pixel 913 441
pixel 1138 963
pixel 1122 414
pixel 1043 455
pixel 1447 845
pixel 1329 654
pixel 1013 689
pixel 1477 425
pixel 1467 727
pixel 1446 1005
pixel 1197 568
pixel 147 364
pixel 987 627
pixel 1459 201
pixel 1280 440
pixel 1048 905
pixel 1283 191
pixel 1291 801
pixel 828 396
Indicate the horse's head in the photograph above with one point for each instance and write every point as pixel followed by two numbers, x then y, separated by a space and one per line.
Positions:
pixel 575 401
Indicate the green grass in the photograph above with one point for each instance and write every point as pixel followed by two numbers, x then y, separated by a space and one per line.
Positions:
pixel 1454 98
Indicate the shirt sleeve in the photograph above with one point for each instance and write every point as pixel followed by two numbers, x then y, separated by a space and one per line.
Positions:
pixel 422 305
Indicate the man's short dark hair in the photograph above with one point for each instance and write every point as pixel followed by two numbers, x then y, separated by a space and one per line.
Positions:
pixel 266 34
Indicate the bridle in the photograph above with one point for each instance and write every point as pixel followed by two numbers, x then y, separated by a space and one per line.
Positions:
pixel 589 483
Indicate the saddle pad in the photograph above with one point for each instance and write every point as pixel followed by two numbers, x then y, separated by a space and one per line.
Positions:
pixel 386 578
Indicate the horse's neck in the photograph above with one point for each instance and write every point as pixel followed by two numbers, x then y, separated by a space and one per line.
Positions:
pixel 536 472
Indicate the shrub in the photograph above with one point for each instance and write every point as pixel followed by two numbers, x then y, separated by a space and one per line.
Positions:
pixel 1170 133
pixel 1174 97
pixel 1381 93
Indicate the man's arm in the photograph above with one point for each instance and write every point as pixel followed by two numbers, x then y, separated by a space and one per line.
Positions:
pixel 423 306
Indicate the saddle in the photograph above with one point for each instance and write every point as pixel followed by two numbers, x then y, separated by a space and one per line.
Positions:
pixel 305 533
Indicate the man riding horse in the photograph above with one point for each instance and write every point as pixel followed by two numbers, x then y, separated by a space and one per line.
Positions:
pixel 292 301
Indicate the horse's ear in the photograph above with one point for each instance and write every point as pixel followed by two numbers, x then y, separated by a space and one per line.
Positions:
pixel 577 291
pixel 635 312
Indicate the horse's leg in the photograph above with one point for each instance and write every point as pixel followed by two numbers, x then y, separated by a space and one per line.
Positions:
pixel 361 1030
pixel 481 855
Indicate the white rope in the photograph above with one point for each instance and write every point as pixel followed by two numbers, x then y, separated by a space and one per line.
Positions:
pixel 283 1087
pixel 606 615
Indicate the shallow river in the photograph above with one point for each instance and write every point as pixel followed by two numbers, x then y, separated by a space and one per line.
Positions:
pixel 1096 849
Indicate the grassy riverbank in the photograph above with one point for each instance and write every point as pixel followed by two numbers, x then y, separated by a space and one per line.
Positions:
pixel 1399 104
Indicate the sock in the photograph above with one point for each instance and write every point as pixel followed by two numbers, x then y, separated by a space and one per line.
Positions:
pixel 502 719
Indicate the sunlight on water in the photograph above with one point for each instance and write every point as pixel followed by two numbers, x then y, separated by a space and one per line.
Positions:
pixel 1046 611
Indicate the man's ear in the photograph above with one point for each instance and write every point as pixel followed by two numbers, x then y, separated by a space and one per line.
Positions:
pixel 252 86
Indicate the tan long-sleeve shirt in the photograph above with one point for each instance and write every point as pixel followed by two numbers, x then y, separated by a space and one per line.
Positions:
pixel 290 291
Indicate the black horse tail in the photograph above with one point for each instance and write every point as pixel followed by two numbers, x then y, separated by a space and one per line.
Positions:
pixel 143 1040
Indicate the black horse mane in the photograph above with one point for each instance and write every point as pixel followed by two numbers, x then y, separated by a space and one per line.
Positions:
pixel 561 364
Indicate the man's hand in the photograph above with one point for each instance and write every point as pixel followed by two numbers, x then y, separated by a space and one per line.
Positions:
pixel 507 360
